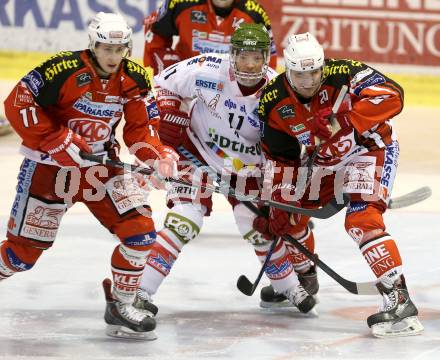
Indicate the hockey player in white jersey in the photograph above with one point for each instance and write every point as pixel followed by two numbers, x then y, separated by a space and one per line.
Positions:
pixel 223 131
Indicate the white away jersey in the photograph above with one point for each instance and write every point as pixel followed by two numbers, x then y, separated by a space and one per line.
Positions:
pixel 225 126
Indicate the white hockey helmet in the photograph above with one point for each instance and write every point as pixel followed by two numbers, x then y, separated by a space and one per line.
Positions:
pixel 303 57
pixel 109 28
pixel 303 53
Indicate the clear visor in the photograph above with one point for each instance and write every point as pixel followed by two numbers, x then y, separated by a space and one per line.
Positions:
pixel 306 83
pixel 249 65
pixel 113 49
pixel 305 79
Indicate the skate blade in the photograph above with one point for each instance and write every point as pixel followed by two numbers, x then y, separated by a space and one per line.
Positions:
pixel 276 305
pixel 312 313
pixel 282 304
pixel 122 332
pixel 409 326
pixel 148 313
pixel 287 306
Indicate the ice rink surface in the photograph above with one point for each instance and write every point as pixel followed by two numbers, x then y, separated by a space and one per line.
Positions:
pixel 55 311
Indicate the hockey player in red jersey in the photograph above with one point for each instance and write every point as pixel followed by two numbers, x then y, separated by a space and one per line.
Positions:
pixel 222 131
pixel 354 151
pixel 73 102
pixel 203 26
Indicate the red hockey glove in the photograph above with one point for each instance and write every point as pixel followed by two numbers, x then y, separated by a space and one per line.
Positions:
pixel 323 128
pixel 172 127
pixel 64 146
pixel 280 220
pixel 261 224
pixel 321 124
pixel 166 165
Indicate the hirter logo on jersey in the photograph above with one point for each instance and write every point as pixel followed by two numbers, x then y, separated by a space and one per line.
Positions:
pixel 91 130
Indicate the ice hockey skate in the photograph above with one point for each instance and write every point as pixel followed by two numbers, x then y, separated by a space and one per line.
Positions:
pixel 271 299
pixel 124 320
pixel 397 316
pixel 296 297
pixel 144 303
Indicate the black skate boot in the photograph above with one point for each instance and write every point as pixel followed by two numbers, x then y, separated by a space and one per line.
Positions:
pixel 398 316
pixel 301 299
pixel 309 280
pixel 143 302
pixel 271 299
pixel 124 320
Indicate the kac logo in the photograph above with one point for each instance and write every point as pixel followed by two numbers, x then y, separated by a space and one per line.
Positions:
pixel 92 131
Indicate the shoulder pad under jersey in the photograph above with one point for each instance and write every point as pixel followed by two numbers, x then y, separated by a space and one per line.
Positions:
pixel 338 72
pixel 138 74
pixel 46 80
pixel 272 94
pixel 166 16
pixel 359 75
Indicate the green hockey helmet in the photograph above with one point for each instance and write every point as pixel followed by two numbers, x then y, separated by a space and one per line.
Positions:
pixel 250 38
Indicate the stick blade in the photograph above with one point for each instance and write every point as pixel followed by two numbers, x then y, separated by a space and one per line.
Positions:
pixel 245 286
pixel 367 288
pixel 411 198
pixel 331 208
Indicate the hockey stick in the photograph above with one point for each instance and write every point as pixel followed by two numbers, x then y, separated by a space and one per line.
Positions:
pixel 245 285
pixel 364 288
pixel 324 212
pixel 411 198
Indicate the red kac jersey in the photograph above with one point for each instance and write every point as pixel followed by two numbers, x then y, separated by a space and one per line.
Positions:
pixel 199 29
pixel 65 91
pixel 364 116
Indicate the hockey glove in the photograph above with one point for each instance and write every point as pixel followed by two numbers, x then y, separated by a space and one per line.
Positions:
pixel 166 164
pixel 280 221
pixel 172 127
pixel 323 128
pixel 64 147
pixel 321 124
pixel 261 224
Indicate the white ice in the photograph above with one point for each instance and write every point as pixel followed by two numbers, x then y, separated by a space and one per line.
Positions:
pixel 55 310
